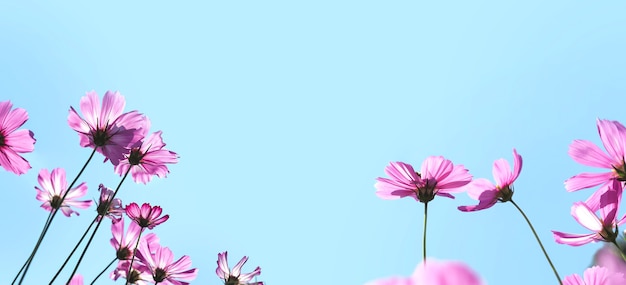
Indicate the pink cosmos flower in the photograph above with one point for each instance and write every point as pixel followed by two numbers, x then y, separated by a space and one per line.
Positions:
pixel 77 279
pixel 488 194
pixel 13 141
pixel 146 216
pixel 613 137
pixel 603 227
pixel 124 245
pixel 138 275
pixel 146 159
pixel 595 276
pixel 105 127
pixel 115 210
pixel 235 277
pixel 438 177
pixel 54 187
pixel 159 262
pixel 435 272
pixel 610 258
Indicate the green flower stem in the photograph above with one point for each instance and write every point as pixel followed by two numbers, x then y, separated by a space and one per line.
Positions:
pixel 104 270
pixel 424 238
pixel 538 241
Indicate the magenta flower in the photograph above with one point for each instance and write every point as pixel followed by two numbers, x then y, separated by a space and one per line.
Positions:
pixel 124 245
pixel 604 227
pixel 488 194
pixel 77 279
pixel 106 128
pixel 596 276
pixel 146 216
pixel 438 177
pixel 235 277
pixel 138 275
pixel 54 187
pixel 435 272
pixel 613 137
pixel 146 159
pixel 114 210
pixel 13 141
pixel 159 262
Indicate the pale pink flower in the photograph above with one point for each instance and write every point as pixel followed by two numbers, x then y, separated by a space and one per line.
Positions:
pixel 434 272
pixel 604 227
pixel 595 276
pixel 610 258
pixel 54 186
pixel 114 210
pixel 13 141
pixel 438 177
pixel 146 216
pixel 146 159
pixel 124 244
pixel 105 127
pixel 139 275
pixel 488 194
pixel 234 277
pixel 160 263
pixel 613 137
pixel 77 279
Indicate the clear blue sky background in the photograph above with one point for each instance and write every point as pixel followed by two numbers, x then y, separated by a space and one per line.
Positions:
pixel 284 112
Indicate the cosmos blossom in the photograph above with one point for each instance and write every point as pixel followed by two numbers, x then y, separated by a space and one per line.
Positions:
pixel 159 262
pixel 77 279
pixel 603 227
pixel 147 158
pixel 435 272
pixel 613 137
pixel 14 141
pixel 488 194
pixel 610 258
pixel 438 177
pixel 53 187
pixel 596 276
pixel 124 246
pixel 114 210
pixel 106 127
pixel 234 277
pixel 146 216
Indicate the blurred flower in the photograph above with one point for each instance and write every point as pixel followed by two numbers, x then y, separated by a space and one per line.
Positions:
pixel 610 258
pixel 603 227
pixel 438 177
pixel 159 262
pixel 13 141
pixel 613 137
pixel 54 187
pixel 77 279
pixel 488 194
pixel 147 158
pixel 106 128
pixel 235 277
pixel 595 276
pixel 434 272
pixel 114 210
pixel 146 216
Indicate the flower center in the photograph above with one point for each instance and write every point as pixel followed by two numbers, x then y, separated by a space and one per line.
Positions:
pixel 134 277
pixel 159 275
pixel 123 253
pixel 505 193
pixel 232 280
pixel 620 171
pixel 2 143
pixel 55 203
pixel 426 192
pixel 135 156
pixel 143 222
pixel 100 137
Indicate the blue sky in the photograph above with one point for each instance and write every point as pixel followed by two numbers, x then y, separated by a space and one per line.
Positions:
pixel 284 113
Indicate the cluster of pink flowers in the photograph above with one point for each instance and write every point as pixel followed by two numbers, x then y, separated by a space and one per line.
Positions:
pixel 122 138
pixel 440 177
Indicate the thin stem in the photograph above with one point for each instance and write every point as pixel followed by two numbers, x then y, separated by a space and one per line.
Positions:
pixel 34 249
pixel 74 250
pixel 82 255
pixel 538 241
pixel 424 241
pixel 103 270
pixel 130 267
pixel 54 212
